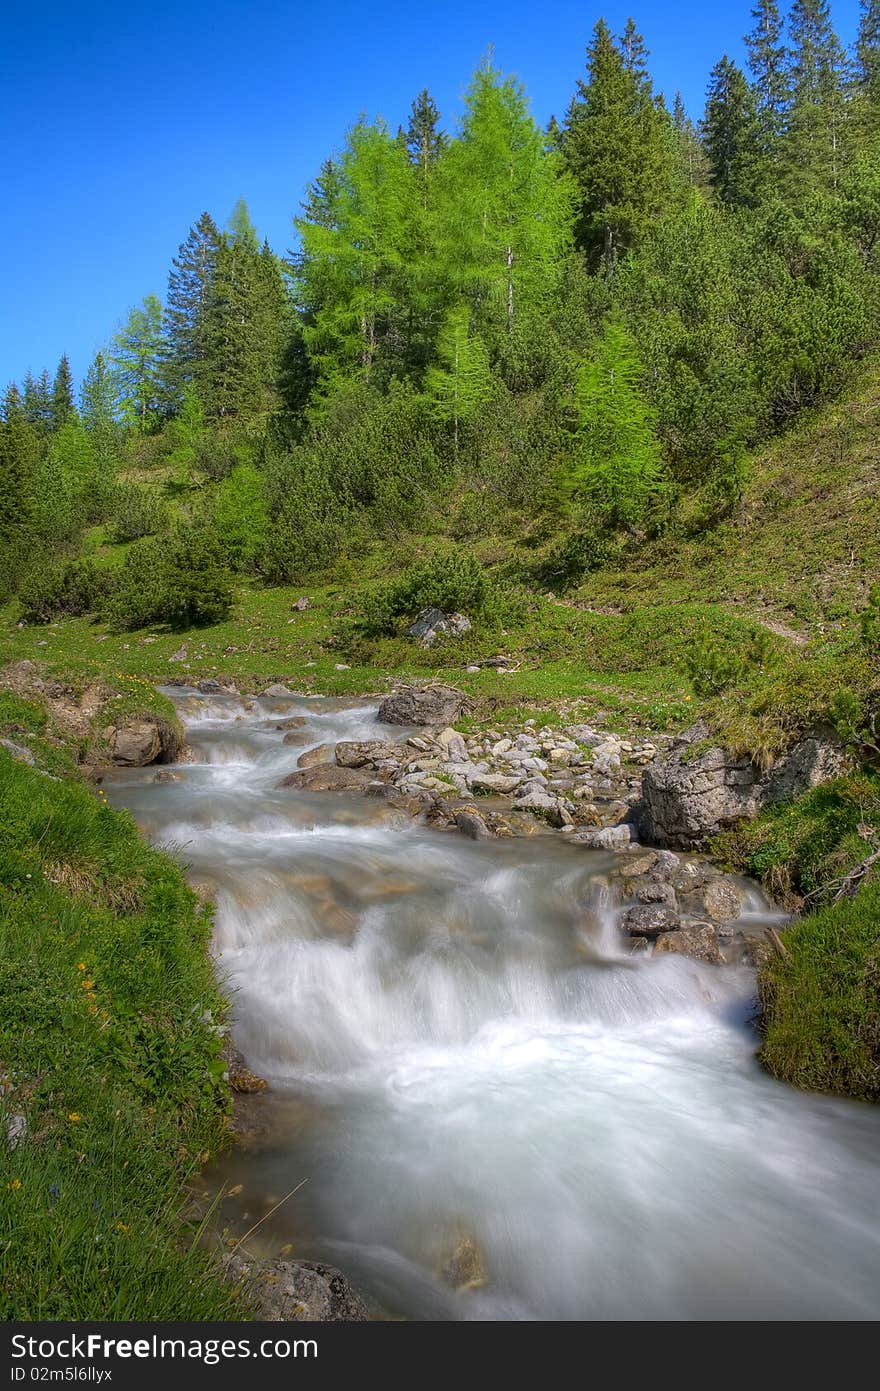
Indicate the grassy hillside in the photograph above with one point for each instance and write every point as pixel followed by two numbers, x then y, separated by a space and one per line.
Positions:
pixel 111 1080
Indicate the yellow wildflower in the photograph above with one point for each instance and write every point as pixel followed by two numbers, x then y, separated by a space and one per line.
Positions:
pixel 14 1185
pixel 74 1116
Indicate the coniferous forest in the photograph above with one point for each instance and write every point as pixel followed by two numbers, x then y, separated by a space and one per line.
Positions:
pixel 589 326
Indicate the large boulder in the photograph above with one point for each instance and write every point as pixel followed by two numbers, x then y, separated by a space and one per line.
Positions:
pixel 138 743
pixel 328 777
pixel 697 941
pixel 298 1291
pixel 356 753
pixel 688 797
pixel 422 705
pixel 321 753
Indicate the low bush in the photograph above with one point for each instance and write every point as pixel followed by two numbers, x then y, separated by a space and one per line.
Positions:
pixel 136 512
pixel 454 581
pixel 63 589
pixel 180 581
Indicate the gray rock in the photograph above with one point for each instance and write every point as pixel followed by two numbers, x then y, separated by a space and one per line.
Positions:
pixel 422 705
pixel 722 900
pixel 16 1130
pixel 141 742
pixel 471 824
pixel 328 777
pixel 301 604
pixel 298 1291
pixel 494 782
pixel 431 622
pixel 604 837
pixel 355 753
pixel 454 744
pixel 18 751
pixel 277 691
pixel 698 941
pixel 649 920
pixel 687 799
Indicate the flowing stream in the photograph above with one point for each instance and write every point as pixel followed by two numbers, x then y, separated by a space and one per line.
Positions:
pixel 466 1065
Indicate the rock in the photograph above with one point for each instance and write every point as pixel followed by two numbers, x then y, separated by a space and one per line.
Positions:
pixel 697 941
pixel 355 753
pixel 756 950
pixel 633 866
pixel 322 753
pixel 277 691
pixel 494 783
pixel 180 655
pixel 166 775
pixel 454 744
pixel 241 1079
pixel 328 777
pixel 604 837
pixel 16 1130
pixel 296 736
pixel 208 686
pixel 292 722
pixel 18 751
pixel 722 900
pixel 649 920
pixel 301 604
pixel 138 743
pixel 686 799
pixel 430 622
pixel 655 891
pixel 465 1267
pixel 298 1291
pixel 422 705
pixel 471 824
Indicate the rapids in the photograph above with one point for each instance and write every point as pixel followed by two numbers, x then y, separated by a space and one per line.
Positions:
pixel 461 1049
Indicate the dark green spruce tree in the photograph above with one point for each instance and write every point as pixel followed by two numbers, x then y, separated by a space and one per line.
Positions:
pixel 731 136
pixel 768 65
pixel 62 407
pixel 817 135
pixel 186 308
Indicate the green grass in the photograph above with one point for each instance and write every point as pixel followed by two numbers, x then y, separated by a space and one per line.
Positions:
pixel 822 1001
pixel 110 1043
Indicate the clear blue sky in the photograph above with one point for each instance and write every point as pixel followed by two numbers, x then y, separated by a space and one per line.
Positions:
pixel 121 122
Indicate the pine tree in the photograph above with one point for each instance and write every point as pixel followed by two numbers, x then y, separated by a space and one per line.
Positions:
pixel 244 326
pixel 730 134
pixel 816 144
pixel 138 361
pixel 62 406
pixel 615 142
pixel 186 307
pixel 868 49
pixel 424 141
pixel 97 400
pixel 37 402
pixel 635 55
pixel 768 66
pixel 19 462
pixel 617 464
pixel 693 163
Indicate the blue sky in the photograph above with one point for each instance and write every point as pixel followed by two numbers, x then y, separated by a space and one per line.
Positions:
pixel 121 123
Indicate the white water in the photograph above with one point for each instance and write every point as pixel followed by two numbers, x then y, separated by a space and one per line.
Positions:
pixel 458 1046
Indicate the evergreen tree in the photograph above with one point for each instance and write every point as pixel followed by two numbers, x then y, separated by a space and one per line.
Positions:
pixel 37 402
pixel 138 361
pixel 244 325
pixel 730 133
pixel 186 307
pixel 816 144
pixel 693 163
pixel 868 49
pixel 19 463
pixel 615 142
pixel 635 55
pixel 62 406
pixel 768 66
pixel 424 141
pixel 97 400
pixel 616 465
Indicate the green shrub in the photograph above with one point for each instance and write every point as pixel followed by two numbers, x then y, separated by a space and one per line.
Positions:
pixel 179 581
pixel 136 512
pixel 821 1001
pixel 454 581
pixel 713 666
pixel 63 589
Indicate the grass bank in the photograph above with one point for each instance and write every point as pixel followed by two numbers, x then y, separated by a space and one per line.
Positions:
pixel 112 1086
